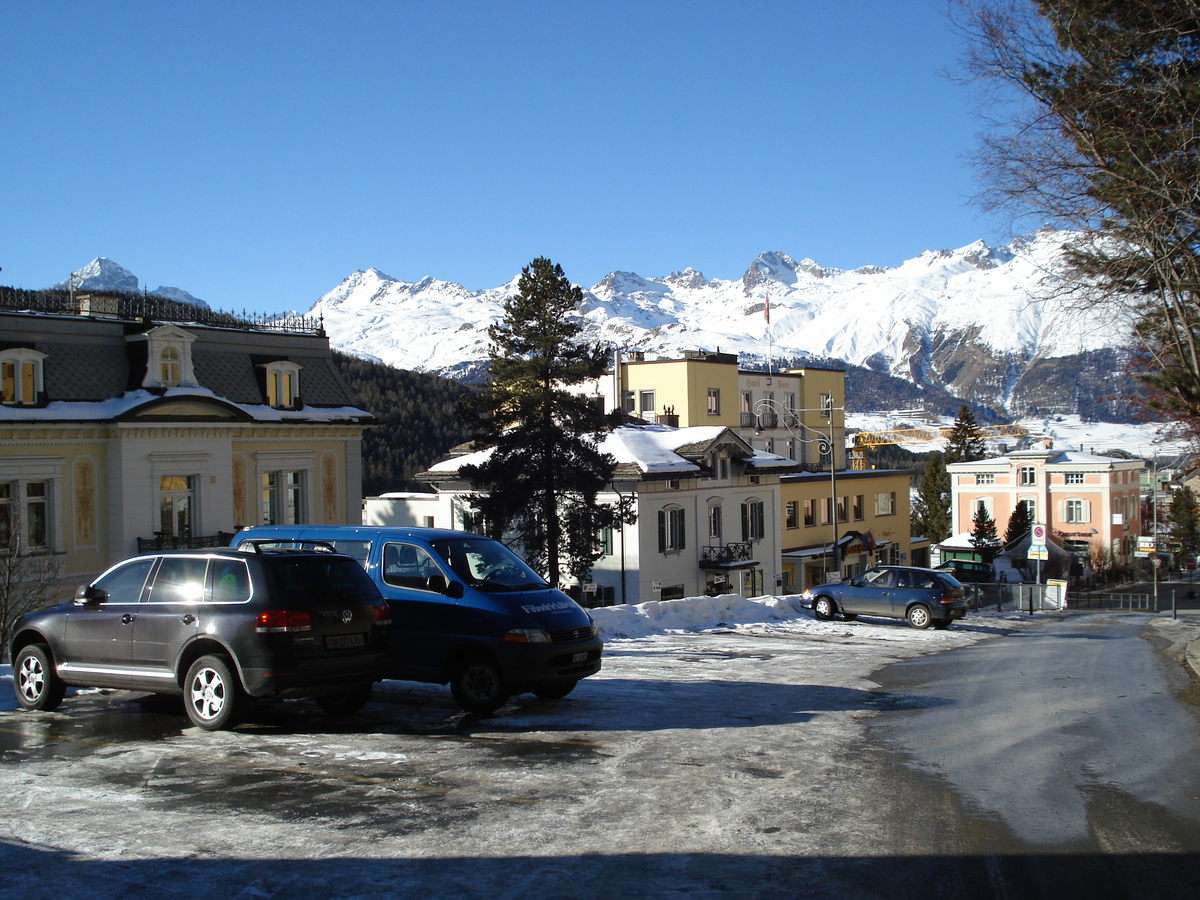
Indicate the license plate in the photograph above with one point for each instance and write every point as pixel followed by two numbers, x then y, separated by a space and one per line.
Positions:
pixel 344 641
pixel 579 657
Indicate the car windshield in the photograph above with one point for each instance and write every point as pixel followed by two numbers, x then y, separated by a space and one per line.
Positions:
pixel 487 565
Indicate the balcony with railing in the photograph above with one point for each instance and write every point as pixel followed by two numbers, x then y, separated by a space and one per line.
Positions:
pixel 162 541
pixel 726 555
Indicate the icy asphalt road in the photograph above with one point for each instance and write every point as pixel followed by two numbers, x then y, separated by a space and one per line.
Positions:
pixel 795 758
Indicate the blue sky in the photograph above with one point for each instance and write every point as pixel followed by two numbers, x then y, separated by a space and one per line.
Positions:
pixel 257 153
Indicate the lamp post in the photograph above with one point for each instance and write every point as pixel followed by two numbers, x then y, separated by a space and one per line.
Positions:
pixel 825 445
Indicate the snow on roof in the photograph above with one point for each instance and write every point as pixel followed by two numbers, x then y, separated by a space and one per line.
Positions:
pixel 1077 458
pixel 104 410
pixel 958 542
pixel 651 449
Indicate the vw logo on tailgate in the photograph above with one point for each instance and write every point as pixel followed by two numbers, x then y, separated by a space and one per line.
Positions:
pixel 347 617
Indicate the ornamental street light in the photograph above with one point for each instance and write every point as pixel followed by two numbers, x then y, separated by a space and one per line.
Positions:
pixel 825 447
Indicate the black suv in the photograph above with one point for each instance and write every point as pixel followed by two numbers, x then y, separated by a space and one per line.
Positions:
pixel 217 626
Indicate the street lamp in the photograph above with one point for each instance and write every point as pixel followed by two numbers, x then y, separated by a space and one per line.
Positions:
pixel 825 446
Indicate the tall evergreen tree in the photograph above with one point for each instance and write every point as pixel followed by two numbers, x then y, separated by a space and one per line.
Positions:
pixel 965 442
pixel 1184 518
pixel 1019 523
pixel 545 471
pixel 930 515
pixel 983 536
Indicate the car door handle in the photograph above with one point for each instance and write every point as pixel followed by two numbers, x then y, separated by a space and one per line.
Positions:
pixel 188 619
pixel 127 618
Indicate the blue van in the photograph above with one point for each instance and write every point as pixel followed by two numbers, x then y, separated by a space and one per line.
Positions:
pixel 465 610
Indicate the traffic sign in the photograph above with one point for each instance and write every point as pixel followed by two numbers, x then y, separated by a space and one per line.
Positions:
pixel 1037 553
pixel 1038 536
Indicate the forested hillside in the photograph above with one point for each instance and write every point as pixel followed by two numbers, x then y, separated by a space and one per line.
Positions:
pixel 417 416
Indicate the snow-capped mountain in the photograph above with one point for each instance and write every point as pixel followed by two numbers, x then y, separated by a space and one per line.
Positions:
pixel 976 321
pixel 102 274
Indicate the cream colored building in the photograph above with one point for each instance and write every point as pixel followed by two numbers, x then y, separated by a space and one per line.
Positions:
pixel 122 431
pixel 707 510
pixel 1091 502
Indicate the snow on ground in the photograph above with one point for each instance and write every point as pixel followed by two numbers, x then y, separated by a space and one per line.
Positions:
pixel 1066 432
pixel 732 612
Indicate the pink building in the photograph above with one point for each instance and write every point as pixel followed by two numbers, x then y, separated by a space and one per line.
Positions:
pixel 1090 502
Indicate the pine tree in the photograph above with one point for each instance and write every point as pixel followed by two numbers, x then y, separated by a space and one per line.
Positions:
pixel 983 536
pixel 1019 523
pixel 965 442
pixel 543 476
pixel 1184 518
pixel 930 515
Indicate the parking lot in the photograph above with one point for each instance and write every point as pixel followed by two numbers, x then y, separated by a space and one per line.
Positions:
pixel 724 763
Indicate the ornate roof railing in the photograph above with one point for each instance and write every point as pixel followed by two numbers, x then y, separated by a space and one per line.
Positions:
pixel 135 307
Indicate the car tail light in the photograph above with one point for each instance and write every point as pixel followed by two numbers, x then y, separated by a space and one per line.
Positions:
pixel 272 620
pixel 383 615
pixel 949 599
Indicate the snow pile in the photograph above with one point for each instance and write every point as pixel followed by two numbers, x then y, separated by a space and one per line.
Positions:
pixel 692 614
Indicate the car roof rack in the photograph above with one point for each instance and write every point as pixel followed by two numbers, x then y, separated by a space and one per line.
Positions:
pixel 264 545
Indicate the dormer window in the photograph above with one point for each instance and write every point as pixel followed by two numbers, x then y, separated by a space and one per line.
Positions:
pixel 168 357
pixel 21 376
pixel 283 384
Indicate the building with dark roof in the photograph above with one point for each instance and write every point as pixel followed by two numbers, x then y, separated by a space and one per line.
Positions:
pixel 124 430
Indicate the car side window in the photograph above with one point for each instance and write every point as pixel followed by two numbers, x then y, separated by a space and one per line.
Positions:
pixel 179 579
pixel 124 585
pixel 409 566
pixel 905 580
pixel 230 581
pixel 879 578
pixel 360 550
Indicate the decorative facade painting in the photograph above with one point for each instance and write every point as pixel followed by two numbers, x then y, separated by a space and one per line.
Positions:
pixel 85 502
pixel 329 505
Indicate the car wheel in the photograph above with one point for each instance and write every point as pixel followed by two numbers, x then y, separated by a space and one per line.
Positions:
pixel 824 608
pixel 919 616
pixel 212 693
pixel 345 702
pixel 555 691
pixel 478 686
pixel 36 683
pixel 849 617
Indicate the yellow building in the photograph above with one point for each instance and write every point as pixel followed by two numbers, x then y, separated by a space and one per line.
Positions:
pixel 799 414
pixel 126 429
pixel 872 527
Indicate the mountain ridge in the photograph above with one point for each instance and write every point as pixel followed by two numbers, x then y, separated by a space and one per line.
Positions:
pixel 971 321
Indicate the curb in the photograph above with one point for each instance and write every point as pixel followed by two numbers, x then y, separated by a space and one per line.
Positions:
pixel 1191 657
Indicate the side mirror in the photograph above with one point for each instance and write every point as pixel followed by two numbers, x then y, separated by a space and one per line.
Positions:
pixel 89 595
pixel 452 589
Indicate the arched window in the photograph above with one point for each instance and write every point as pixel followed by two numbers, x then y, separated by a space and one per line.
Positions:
pixel 714 521
pixel 169 367
pixel 671 535
pixel 168 357
pixel 753 520
pixel 283 384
